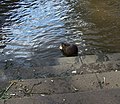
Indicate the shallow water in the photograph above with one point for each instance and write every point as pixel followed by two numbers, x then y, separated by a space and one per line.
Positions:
pixel 31 30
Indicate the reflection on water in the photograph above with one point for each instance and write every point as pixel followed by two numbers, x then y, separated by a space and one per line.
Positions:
pixel 105 17
pixel 33 29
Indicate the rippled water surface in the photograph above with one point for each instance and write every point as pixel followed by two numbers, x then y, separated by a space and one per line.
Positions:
pixel 31 30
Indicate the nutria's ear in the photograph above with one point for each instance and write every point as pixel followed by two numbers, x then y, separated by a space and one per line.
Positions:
pixel 62 44
pixel 65 44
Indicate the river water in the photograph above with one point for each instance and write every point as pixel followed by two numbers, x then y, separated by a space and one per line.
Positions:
pixel 31 30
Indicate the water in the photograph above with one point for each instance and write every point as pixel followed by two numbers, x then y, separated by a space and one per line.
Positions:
pixel 33 29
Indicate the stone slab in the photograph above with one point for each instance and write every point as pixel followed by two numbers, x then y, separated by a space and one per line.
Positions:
pixel 55 85
pixel 87 59
pixel 68 60
pixel 61 70
pixel 43 72
pixel 2 102
pixel 70 84
pixel 101 67
pixel 65 66
pixel 113 56
pixel 109 80
pixel 111 96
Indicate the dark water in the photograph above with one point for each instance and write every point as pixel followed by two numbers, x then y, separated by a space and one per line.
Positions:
pixel 31 30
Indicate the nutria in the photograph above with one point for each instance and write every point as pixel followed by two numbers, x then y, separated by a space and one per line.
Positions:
pixel 69 49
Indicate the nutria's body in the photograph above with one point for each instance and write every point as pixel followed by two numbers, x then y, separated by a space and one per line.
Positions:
pixel 69 49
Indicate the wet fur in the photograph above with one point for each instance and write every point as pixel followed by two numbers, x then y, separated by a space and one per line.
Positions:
pixel 69 49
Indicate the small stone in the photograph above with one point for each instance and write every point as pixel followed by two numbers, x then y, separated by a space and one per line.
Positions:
pixel 42 94
pixel 74 72
pixel 27 89
pixel 20 89
pixel 34 70
pixel 52 80
pixel 21 85
pixel 21 80
pixel 64 99
pixel 12 94
pixel 45 81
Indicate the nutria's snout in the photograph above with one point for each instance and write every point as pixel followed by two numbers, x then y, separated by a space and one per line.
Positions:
pixel 69 49
pixel 60 47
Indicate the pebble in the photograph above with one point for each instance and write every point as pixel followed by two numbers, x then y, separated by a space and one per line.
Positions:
pixel 74 72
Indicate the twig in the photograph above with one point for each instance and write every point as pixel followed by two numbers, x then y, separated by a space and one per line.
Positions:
pixel 11 84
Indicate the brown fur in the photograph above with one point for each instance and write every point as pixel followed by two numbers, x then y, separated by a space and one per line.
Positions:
pixel 69 49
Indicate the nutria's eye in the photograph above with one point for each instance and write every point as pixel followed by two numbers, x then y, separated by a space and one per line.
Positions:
pixel 60 47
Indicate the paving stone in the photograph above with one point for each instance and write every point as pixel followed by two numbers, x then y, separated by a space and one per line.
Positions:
pixel 41 86
pixel 112 65
pixel 58 71
pixel 54 85
pixel 2 102
pixel 111 96
pixel 43 72
pixel 101 66
pixel 62 70
pixel 66 66
pixel 87 59
pixel 68 60
pixel 113 56
pixel 81 83
pixel 64 83
pixel 109 80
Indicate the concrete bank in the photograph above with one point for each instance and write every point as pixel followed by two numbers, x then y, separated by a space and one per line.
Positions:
pixel 110 96
pixel 66 66
pixel 103 88
pixel 87 79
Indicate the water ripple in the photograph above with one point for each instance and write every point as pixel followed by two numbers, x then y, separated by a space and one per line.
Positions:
pixel 35 28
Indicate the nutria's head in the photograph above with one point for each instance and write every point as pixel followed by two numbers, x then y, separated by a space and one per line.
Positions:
pixel 63 46
pixel 68 49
